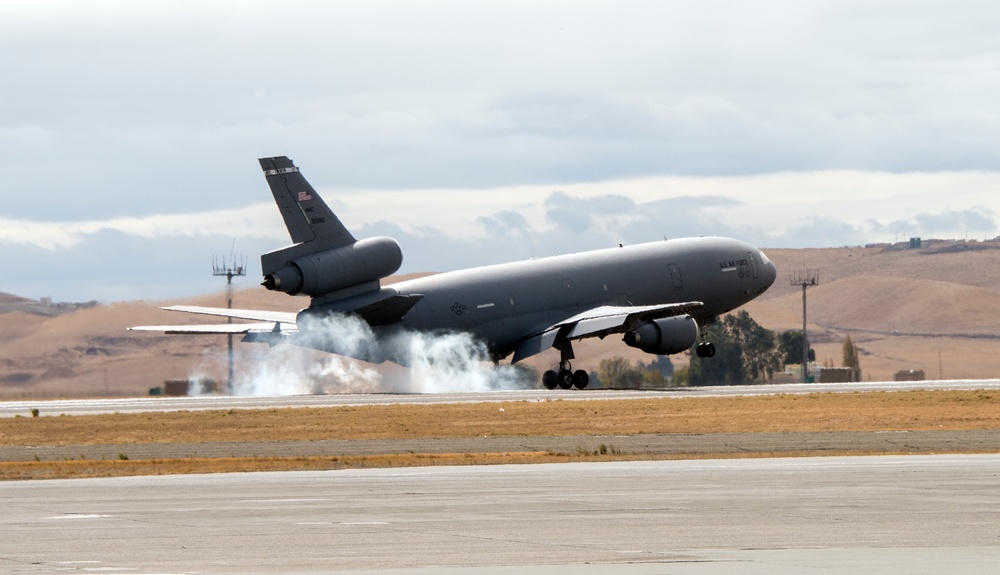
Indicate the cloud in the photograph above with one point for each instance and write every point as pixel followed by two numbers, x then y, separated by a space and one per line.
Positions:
pixel 950 222
pixel 480 96
pixel 112 265
pixel 820 231
pixel 442 230
pixel 577 214
pixel 254 221
pixel 505 223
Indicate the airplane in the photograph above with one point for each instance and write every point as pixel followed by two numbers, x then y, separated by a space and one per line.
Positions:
pixel 658 296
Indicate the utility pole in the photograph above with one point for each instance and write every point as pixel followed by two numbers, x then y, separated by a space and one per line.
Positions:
pixel 229 268
pixel 804 278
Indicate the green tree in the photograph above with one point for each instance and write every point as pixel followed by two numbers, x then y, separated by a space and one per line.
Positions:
pixel 657 373
pixel 618 372
pixel 661 364
pixel 681 377
pixel 850 354
pixel 725 368
pixel 850 358
pixel 745 352
pixel 790 343
pixel 758 346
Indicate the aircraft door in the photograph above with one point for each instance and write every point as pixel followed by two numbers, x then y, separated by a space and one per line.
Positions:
pixel 676 278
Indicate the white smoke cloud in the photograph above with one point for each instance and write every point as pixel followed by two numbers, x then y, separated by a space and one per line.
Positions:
pixel 435 363
pixel 286 370
pixel 454 361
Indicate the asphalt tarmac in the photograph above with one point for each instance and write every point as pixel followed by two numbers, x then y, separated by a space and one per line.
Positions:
pixel 896 514
pixel 55 407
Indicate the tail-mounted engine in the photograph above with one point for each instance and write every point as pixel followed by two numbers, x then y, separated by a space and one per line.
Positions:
pixel 323 272
pixel 664 336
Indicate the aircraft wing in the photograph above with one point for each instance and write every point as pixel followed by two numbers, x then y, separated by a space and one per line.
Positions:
pixel 269 321
pixel 599 322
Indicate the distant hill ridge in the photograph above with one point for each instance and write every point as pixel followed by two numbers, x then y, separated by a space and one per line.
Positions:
pixel 13 303
pixel 935 308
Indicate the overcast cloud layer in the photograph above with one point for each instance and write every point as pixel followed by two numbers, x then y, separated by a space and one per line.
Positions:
pixel 480 132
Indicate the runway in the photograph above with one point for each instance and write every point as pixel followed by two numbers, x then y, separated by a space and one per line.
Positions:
pixel 145 404
pixel 913 514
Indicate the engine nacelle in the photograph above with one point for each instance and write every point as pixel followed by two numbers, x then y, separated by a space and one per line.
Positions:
pixel 664 336
pixel 328 271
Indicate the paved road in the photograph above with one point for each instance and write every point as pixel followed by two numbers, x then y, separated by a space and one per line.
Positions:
pixel 916 514
pixel 143 404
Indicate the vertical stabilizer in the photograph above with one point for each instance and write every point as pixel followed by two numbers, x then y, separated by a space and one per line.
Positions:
pixel 306 215
pixel 325 260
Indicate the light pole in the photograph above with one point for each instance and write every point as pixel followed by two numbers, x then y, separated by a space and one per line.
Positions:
pixel 229 269
pixel 804 278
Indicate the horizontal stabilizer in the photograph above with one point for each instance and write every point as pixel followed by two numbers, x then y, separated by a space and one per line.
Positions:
pixel 250 314
pixel 271 321
pixel 205 329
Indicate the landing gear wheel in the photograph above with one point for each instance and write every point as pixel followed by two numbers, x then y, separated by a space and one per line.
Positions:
pixel 580 379
pixel 705 350
pixel 549 379
pixel 565 378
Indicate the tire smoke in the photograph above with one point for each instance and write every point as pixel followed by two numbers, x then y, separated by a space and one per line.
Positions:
pixel 435 363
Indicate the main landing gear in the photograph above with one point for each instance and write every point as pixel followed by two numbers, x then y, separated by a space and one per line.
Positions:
pixel 565 378
pixel 705 350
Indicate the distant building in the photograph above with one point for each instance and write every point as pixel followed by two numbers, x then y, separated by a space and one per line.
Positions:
pixel 909 375
pixel 793 373
pixel 181 387
pixel 839 374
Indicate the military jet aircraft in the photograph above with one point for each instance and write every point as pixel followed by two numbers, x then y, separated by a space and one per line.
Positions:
pixel 656 295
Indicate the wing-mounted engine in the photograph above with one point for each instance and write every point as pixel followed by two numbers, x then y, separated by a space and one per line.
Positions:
pixel 324 272
pixel 664 336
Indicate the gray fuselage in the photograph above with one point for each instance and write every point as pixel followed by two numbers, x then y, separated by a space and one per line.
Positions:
pixel 501 303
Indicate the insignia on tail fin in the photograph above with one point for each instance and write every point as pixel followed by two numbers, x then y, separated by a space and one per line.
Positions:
pixel 306 215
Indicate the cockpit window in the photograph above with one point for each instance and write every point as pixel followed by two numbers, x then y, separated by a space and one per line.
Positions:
pixel 763 257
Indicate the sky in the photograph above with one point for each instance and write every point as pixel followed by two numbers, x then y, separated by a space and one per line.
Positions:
pixel 481 132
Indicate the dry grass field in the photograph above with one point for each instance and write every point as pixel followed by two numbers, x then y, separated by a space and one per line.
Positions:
pixel 933 309
pixel 912 410
pixel 792 414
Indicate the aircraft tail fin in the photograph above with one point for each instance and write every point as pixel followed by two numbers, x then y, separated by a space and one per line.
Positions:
pixel 306 215
pixel 325 261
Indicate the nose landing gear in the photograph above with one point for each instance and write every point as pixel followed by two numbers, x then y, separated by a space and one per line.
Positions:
pixel 705 349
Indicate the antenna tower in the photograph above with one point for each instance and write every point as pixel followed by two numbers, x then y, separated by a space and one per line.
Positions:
pixel 804 278
pixel 234 266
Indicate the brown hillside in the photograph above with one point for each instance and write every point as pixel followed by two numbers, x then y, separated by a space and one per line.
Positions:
pixel 933 309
